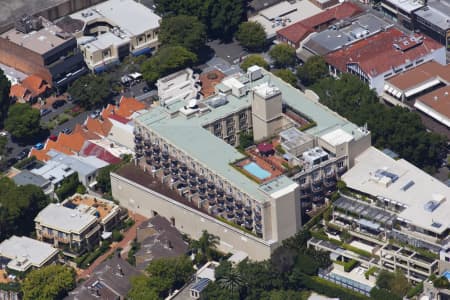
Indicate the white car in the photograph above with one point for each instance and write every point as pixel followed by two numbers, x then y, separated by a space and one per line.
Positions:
pixel 3 133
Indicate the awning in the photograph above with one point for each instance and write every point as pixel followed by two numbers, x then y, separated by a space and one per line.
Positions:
pixel 398 95
pixel 422 87
pixel 386 87
pixel 106 235
pixel 368 224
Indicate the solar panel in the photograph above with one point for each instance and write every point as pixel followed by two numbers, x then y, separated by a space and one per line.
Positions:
pixel 408 185
pixel 431 205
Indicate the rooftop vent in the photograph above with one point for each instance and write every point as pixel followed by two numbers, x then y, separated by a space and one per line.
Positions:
pixel 28 23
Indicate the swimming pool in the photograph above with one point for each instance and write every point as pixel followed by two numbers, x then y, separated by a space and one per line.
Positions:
pixel 256 171
pixel 446 274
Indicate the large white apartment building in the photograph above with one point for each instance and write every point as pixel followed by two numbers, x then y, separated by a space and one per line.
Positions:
pixel 188 146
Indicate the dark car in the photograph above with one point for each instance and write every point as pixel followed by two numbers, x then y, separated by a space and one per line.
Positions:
pixel 66 131
pixel 11 161
pixel 45 111
pixel 23 154
pixel 145 89
pixel 58 103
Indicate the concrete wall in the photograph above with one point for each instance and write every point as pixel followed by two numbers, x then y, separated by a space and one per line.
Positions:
pixel 145 202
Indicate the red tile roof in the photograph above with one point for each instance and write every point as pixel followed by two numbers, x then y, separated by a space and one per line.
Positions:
pixel 92 149
pixel 19 92
pixel 209 81
pixel 119 118
pixel 128 106
pixel 300 30
pixel 99 127
pixel 36 85
pixel 376 54
pixel 438 100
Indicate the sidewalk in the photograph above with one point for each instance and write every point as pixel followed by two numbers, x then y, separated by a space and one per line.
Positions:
pixel 129 236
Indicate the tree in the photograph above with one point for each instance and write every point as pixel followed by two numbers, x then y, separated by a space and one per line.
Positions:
pixel 251 35
pixel 182 30
pixel 287 76
pixel 231 281
pixel 23 121
pixel 19 205
pixel 254 59
pixel 68 187
pixel 221 17
pixel 169 273
pixel 205 246
pixel 167 60
pixel 91 91
pixel 5 87
pixel 313 70
pixel 283 55
pixel 141 290
pixel 49 282
pixel 393 282
pixel 245 140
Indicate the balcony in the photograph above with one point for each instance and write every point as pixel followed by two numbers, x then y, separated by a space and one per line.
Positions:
pixel 329 183
pixel 342 169
pixel 147 143
pixel 317 189
pixel 239 205
pixel 330 174
pixel 248 211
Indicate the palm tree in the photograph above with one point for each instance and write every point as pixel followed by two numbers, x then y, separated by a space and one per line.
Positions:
pixel 206 243
pixel 231 281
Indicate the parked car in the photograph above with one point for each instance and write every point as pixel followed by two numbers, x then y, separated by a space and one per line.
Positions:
pixel 53 137
pixel 66 131
pixel 58 103
pixel 11 161
pixel 45 111
pixel 3 133
pixel 39 146
pixel 95 114
pixel 23 154
pixel 145 89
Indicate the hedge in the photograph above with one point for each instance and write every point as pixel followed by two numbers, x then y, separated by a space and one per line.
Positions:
pixel 371 271
pixel 377 294
pixel 330 289
pixel 418 289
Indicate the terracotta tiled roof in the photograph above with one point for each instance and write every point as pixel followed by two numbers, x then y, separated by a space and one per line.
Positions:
pixel 39 154
pixel 128 106
pixel 300 30
pixel 377 54
pixel 119 118
pixel 208 84
pixel 99 127
pixel 438 100
pixel 36 85
pixel 420 74
pixel 20 92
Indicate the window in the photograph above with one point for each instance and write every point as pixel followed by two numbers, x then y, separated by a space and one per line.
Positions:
pixel 340 164
pixel 302 180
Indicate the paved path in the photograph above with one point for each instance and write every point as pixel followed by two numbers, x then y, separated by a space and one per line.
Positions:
pixel 129 236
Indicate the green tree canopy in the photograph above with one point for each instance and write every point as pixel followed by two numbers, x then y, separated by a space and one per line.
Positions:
pixel 50 282
pixel 182 30
pixel 251 35
pixel 19 205
pixel 68 187
pixel 167 60
pixel 162 276
pixel 254 59
pixel 91 91
pixel 23 121
pixel 221 17
pixel 5 86
pixel 283 55
pixel 287 76
pixel 313 70
pixel 396 282
pixel 395 128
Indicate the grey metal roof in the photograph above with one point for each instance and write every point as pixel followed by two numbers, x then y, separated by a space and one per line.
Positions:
pixel 200 285
pixel 436 13
pixel 26 177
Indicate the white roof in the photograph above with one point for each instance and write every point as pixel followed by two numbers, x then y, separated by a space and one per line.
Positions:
pixel 337 137
pixel 130 16
pixel 377 174
pixel 64 219
pixel 36 252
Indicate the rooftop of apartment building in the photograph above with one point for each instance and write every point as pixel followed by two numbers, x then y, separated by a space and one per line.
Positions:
pixel 65 219
pixel 346 32
pixel 407 6
pixel 383 52
pixel 81 202
pixel 189 126
pixel 129 17
pixel 437 13
pixel 284 13
pixel 298 31
pixel 110 280
pixel 43 37
pixel 25 252
pixel 424 198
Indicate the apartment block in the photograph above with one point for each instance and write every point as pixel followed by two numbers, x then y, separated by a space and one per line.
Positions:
pixel 188 146
pixel 37 46
pixel 77 224
pixel 433 20
pixel 111 30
